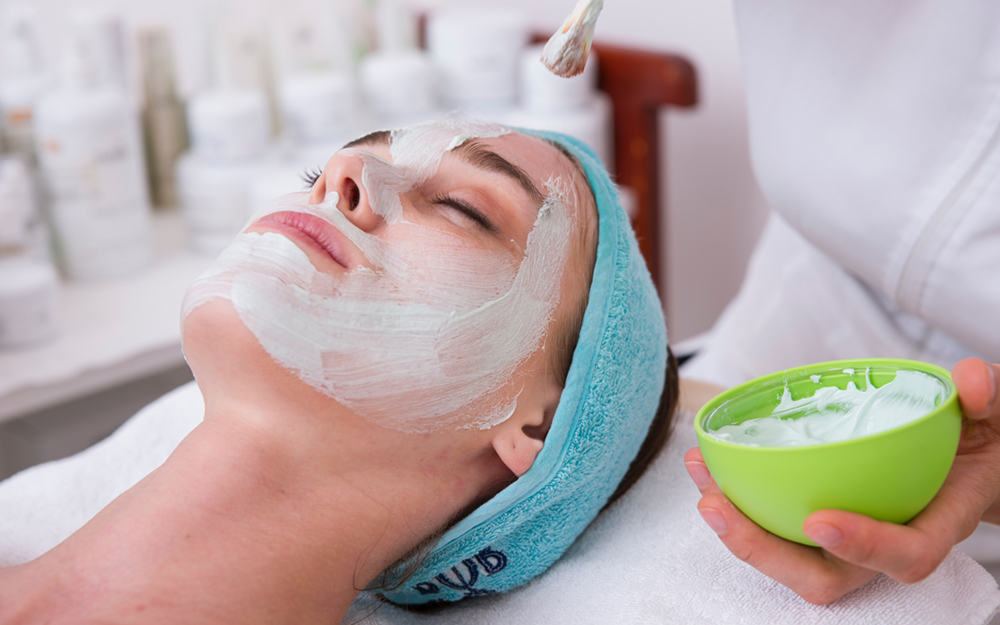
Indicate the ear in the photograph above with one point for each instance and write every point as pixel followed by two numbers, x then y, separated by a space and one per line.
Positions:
pixel 519 439
pixel 516 449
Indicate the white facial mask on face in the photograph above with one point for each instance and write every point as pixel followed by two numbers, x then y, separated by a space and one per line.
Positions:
pixel 429 335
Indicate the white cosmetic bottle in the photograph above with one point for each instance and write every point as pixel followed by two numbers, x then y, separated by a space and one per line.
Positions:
pixel 572 106
pixel 229 127
pixel 91 158
pixel 398 80
pixel 23 79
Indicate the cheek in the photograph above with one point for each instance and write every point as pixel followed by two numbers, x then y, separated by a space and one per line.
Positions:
pixel 445 271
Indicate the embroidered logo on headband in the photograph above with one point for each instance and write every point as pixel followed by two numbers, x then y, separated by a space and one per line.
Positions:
pixel 490 560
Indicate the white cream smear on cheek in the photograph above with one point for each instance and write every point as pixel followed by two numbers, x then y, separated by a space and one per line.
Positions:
pixel 832 414
pixel 428 336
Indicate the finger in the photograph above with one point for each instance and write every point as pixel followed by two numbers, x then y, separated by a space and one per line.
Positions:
pixel 907 554
pixel 696 468
pixel 817 577
pixel 976 382
pixel 910 552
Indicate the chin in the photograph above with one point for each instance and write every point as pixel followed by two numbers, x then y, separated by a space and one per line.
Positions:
pixel 218 347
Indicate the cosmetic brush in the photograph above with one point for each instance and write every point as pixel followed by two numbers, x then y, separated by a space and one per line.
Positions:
pixel 566 52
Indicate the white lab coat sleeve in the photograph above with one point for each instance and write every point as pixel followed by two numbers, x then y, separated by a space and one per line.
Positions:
pixel 875 133
pixel 797 306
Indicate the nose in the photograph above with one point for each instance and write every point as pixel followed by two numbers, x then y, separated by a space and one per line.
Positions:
pixel 342 175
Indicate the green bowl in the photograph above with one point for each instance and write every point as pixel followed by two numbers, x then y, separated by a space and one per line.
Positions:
pixel 890 476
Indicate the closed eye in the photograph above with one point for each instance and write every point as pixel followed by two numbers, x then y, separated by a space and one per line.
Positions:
pixel 468 210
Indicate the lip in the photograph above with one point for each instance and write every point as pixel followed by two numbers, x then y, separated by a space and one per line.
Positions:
pixel 314 231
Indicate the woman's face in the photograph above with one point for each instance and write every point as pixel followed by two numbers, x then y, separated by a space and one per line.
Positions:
pixel 416 282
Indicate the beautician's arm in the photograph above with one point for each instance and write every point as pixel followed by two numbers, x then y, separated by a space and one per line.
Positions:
pixel 857 548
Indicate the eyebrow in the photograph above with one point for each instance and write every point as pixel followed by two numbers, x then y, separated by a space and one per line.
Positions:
pixel 379 137
pixel 480 157
pixel 475 154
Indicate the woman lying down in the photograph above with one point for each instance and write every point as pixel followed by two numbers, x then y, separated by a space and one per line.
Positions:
pixel 425 378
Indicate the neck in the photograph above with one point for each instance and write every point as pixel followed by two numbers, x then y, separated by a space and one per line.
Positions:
pixel 265 512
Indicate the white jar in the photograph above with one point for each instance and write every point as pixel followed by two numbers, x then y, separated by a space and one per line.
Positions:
pixel 317 107
pixel 29 300
pixel 215 199
pixel 229 124
pixel 230 138
pixel 476 52
pixel 399 87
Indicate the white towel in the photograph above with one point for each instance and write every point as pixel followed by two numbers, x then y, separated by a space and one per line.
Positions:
pixel 648 559
pixel 41 506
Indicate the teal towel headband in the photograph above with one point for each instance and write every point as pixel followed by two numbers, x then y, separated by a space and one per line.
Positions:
pixel 611 396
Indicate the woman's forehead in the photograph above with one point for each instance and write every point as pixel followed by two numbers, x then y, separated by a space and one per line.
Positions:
pixel 538 158
pixel 534 155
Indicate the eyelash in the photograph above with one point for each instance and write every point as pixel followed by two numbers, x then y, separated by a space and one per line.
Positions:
pixel 310 175
pixel 469 211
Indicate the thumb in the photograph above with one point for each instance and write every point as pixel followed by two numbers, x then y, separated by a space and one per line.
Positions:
pixel 977 385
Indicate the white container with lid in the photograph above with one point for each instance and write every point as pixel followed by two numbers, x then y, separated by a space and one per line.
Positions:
pixel 476 51
pixel 230 128
pixel 29 301
pixel 229 124
pixel 317 107
pixel 215 198
pixel 399 82
pixel 230 137
pixel 91 158
pixel 399 87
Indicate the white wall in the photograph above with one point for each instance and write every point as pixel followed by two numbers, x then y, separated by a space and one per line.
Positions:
pixel 715 210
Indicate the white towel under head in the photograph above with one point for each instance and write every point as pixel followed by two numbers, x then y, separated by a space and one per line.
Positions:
pixel 648 559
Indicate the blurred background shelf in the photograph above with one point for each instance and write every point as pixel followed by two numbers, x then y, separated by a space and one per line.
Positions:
pixel 118 348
